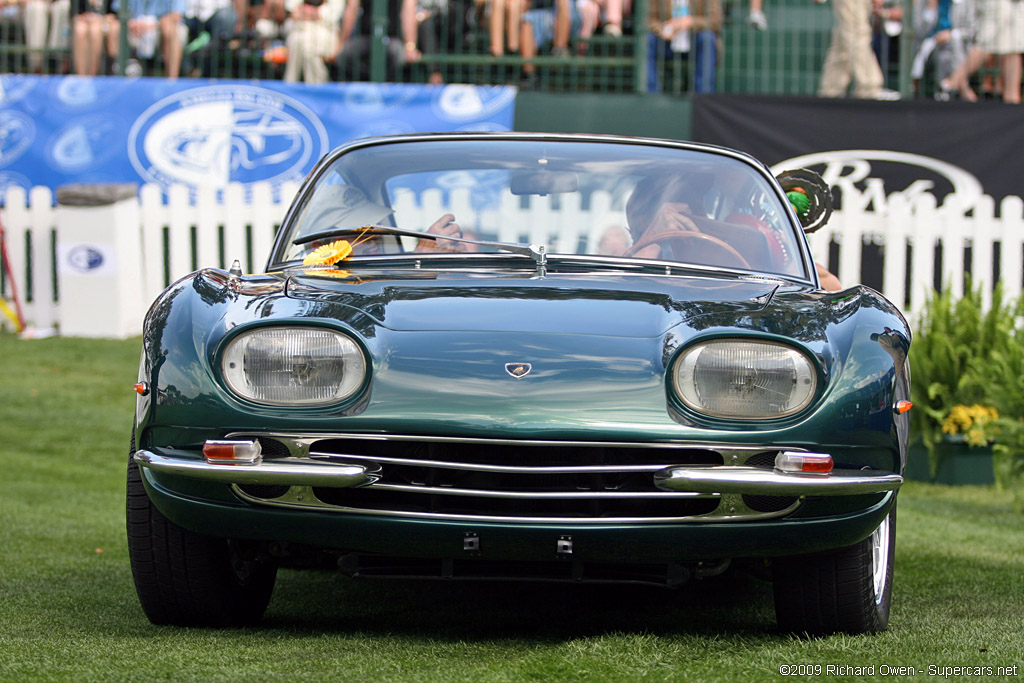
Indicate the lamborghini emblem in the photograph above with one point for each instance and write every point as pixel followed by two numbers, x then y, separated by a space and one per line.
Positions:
pixel 518 370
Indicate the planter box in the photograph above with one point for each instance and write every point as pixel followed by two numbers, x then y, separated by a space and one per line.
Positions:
pixel 958 464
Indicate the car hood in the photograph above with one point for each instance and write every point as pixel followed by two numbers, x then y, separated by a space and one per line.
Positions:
pixel 616 305
pixel 445 347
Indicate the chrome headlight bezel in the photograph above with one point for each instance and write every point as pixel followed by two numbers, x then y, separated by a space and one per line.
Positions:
pixel 705 402
pixel 348 357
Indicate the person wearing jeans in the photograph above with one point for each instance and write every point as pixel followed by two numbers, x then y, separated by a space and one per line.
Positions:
pixel 684 27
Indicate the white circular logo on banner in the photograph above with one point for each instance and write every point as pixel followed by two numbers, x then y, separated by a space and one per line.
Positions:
pixel 11 179
pixel 846 168
pixel 76 91
pixel 210 136
pixel 16 135
pixel 82 143
pixel 465 102
pixel 14 87
pixel 365 100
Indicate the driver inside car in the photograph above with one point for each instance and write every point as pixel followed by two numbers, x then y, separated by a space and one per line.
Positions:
pixel 667 220
pixel 660 205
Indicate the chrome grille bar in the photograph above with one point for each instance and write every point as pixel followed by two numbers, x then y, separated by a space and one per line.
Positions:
pixel 477 467
pixel 537 495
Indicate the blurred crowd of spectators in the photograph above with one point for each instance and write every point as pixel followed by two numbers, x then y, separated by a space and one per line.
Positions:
pixel 959 46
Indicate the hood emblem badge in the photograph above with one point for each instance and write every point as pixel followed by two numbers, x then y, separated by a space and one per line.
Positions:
pixel 518 370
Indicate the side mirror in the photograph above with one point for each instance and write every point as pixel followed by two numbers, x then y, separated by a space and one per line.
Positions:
pixel 802 183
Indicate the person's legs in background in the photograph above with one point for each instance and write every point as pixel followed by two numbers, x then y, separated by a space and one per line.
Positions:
pixel 170 43
pixel 87 43
pixel 706 62
pixel 1011 71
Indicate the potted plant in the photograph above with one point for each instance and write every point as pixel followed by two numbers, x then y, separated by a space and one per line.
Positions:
pixel 954 340
pixel 1002 375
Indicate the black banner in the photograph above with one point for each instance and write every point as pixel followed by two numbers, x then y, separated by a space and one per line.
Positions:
pixel 911 146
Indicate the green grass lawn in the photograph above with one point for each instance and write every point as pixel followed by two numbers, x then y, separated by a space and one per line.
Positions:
pixel 68 609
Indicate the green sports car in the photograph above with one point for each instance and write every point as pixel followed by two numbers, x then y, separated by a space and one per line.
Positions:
pixel 571 358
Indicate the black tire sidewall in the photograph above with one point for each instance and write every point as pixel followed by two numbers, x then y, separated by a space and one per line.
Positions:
pixel 833 592
pixel 184 578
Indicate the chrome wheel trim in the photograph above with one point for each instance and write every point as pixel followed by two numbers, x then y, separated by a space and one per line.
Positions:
pixel 880 558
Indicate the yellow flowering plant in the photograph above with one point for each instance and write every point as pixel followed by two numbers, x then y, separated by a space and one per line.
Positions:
pixel 966 361
pixel 975 422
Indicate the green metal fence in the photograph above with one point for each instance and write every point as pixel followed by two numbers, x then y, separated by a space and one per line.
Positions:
pixel 784 59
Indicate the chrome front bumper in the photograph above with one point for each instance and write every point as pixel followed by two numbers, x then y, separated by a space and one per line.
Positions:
pixel 282 471
pixel 760 481
pixel 696 479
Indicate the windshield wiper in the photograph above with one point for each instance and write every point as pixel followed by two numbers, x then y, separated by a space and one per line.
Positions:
pixel 537 252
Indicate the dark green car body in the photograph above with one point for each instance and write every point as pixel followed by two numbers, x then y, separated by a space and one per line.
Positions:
pixel 448 462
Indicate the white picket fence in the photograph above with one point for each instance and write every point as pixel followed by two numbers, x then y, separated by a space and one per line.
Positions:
pixel 945 243
pixel 180 235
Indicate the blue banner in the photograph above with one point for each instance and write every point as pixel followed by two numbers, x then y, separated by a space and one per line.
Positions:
pixel 59 130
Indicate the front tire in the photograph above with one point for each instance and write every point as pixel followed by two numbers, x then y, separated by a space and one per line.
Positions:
pixel 847 590
pixel 188 579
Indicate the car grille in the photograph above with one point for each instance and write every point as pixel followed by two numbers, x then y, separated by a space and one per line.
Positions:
pixel 501 480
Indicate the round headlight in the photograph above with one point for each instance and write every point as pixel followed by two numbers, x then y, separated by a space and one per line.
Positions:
pixel 744 379
pixel 293 366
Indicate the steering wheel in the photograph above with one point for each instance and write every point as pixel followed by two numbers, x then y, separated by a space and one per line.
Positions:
pixel 670 236
pixel 780 258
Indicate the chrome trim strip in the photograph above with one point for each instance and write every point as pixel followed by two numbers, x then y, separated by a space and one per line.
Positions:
pixel 306 500
pixel 475 467
pixel 756 481
pixel 538 495
pixel 284 471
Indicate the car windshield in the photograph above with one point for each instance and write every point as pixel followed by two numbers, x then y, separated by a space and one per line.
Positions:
pixel 574 197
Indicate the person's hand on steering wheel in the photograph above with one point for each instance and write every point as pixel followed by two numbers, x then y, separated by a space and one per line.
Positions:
pixel 671 216
pixel 673 226
pixel 445 226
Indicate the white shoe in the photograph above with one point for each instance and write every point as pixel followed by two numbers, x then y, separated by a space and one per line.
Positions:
pixel 887 95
